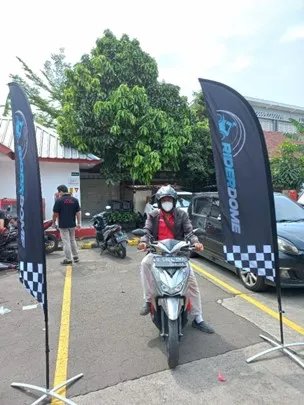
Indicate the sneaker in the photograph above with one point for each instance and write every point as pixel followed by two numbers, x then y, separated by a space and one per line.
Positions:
pixel 145 309
pixel 76 259
pixel 65 262
pixel 202 326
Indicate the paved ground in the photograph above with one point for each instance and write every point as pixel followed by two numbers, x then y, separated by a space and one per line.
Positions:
pixel 120 353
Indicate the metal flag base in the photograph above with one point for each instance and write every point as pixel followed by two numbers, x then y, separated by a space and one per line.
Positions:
pixel 51 393
pixel 279 346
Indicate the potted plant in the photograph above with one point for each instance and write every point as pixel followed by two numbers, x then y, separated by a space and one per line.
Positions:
pixel 127 220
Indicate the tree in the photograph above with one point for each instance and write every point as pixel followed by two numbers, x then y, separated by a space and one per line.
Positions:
pixel 288 167
pixel 298 125
pixel 299 137
pixel 196 169
pixel 45 91
pixel 114 107
pixel 6 107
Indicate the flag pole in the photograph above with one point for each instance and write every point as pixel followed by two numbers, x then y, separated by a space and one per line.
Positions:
pixel 279 344
pixel 47 347
pixel 31 251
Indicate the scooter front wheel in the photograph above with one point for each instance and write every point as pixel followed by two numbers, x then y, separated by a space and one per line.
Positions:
pixel 51 243
pixel 173 343
pixel 122 252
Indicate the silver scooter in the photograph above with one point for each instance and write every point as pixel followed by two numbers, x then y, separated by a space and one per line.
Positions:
pixel 170 274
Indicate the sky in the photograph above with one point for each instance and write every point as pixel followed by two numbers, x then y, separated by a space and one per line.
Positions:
pixel 254 46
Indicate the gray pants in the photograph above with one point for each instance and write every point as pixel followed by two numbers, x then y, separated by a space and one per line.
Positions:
pixel 147 285
pixel 69 242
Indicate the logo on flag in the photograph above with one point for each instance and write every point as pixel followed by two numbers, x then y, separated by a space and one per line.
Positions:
pixel 21 150
pixel 232 130
pixel 21 134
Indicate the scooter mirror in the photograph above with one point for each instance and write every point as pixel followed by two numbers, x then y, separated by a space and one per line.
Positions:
pixel 139 232
pixel 8 208
pixel 198 232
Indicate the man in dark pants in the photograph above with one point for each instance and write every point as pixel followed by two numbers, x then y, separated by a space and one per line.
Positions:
pixel 67 210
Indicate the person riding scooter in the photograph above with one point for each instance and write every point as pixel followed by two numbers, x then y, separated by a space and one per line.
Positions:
pixel 169 222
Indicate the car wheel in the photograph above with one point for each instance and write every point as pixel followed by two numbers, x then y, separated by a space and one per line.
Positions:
pixel 252 282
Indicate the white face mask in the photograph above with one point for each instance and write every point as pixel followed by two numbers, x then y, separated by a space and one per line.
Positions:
pixel 167 206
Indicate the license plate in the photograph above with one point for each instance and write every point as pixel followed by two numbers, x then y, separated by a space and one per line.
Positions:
pixel 120 237
pixel 175 261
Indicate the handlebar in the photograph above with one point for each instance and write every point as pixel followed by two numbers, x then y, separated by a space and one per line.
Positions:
pixel 151 248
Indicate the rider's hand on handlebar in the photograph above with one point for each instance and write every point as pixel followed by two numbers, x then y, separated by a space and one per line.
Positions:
pixel 199 247
pixel 142 246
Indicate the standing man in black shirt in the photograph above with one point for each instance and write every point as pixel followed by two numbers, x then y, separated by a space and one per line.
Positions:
pixel 66 210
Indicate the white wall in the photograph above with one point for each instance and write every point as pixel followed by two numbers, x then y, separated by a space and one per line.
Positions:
pixel 52 174
pixel 140 200
pixel 7 178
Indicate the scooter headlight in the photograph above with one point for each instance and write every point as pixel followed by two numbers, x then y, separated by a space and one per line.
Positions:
pixel 164 287
pixel 178 288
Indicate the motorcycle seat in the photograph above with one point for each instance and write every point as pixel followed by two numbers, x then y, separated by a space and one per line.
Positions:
pixel 109 227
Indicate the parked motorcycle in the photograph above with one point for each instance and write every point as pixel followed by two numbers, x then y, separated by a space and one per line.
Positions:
pixel 109 237
pixel 8 242
pixel 9 247
pixel 51 241
pixel 170 273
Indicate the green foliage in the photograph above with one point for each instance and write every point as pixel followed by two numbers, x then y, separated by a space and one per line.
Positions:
pixel 114 107
pixel 6 107
pixel 196 168
pixel 45 91
pixel 122 217
pixel 299 137
pixel 298 125
pixel 288 167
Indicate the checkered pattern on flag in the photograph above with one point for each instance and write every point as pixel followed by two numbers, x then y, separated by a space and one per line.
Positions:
pixel 257 260
pixel 31 276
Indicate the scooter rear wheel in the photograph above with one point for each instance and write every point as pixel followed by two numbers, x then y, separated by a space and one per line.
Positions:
pixel 173 343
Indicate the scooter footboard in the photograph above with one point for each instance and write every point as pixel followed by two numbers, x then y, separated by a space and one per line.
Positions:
pixel 172 306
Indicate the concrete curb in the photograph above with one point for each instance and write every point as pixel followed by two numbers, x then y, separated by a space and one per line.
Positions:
pixel 92 244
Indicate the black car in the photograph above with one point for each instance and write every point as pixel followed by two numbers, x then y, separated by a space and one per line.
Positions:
pixel 205 213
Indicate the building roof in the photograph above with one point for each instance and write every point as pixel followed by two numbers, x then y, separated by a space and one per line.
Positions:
pixel 274 140
pixel 275 106
pixel 48 144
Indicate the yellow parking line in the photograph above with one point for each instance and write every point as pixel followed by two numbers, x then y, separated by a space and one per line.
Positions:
pixel 64 334
pixel 249 299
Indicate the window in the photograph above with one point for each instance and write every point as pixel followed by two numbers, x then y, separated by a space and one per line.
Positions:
pixel 287 210
pixel 201 206
pixel 267 125
pixel 215 209
pixel 183 201
pixel 286 127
